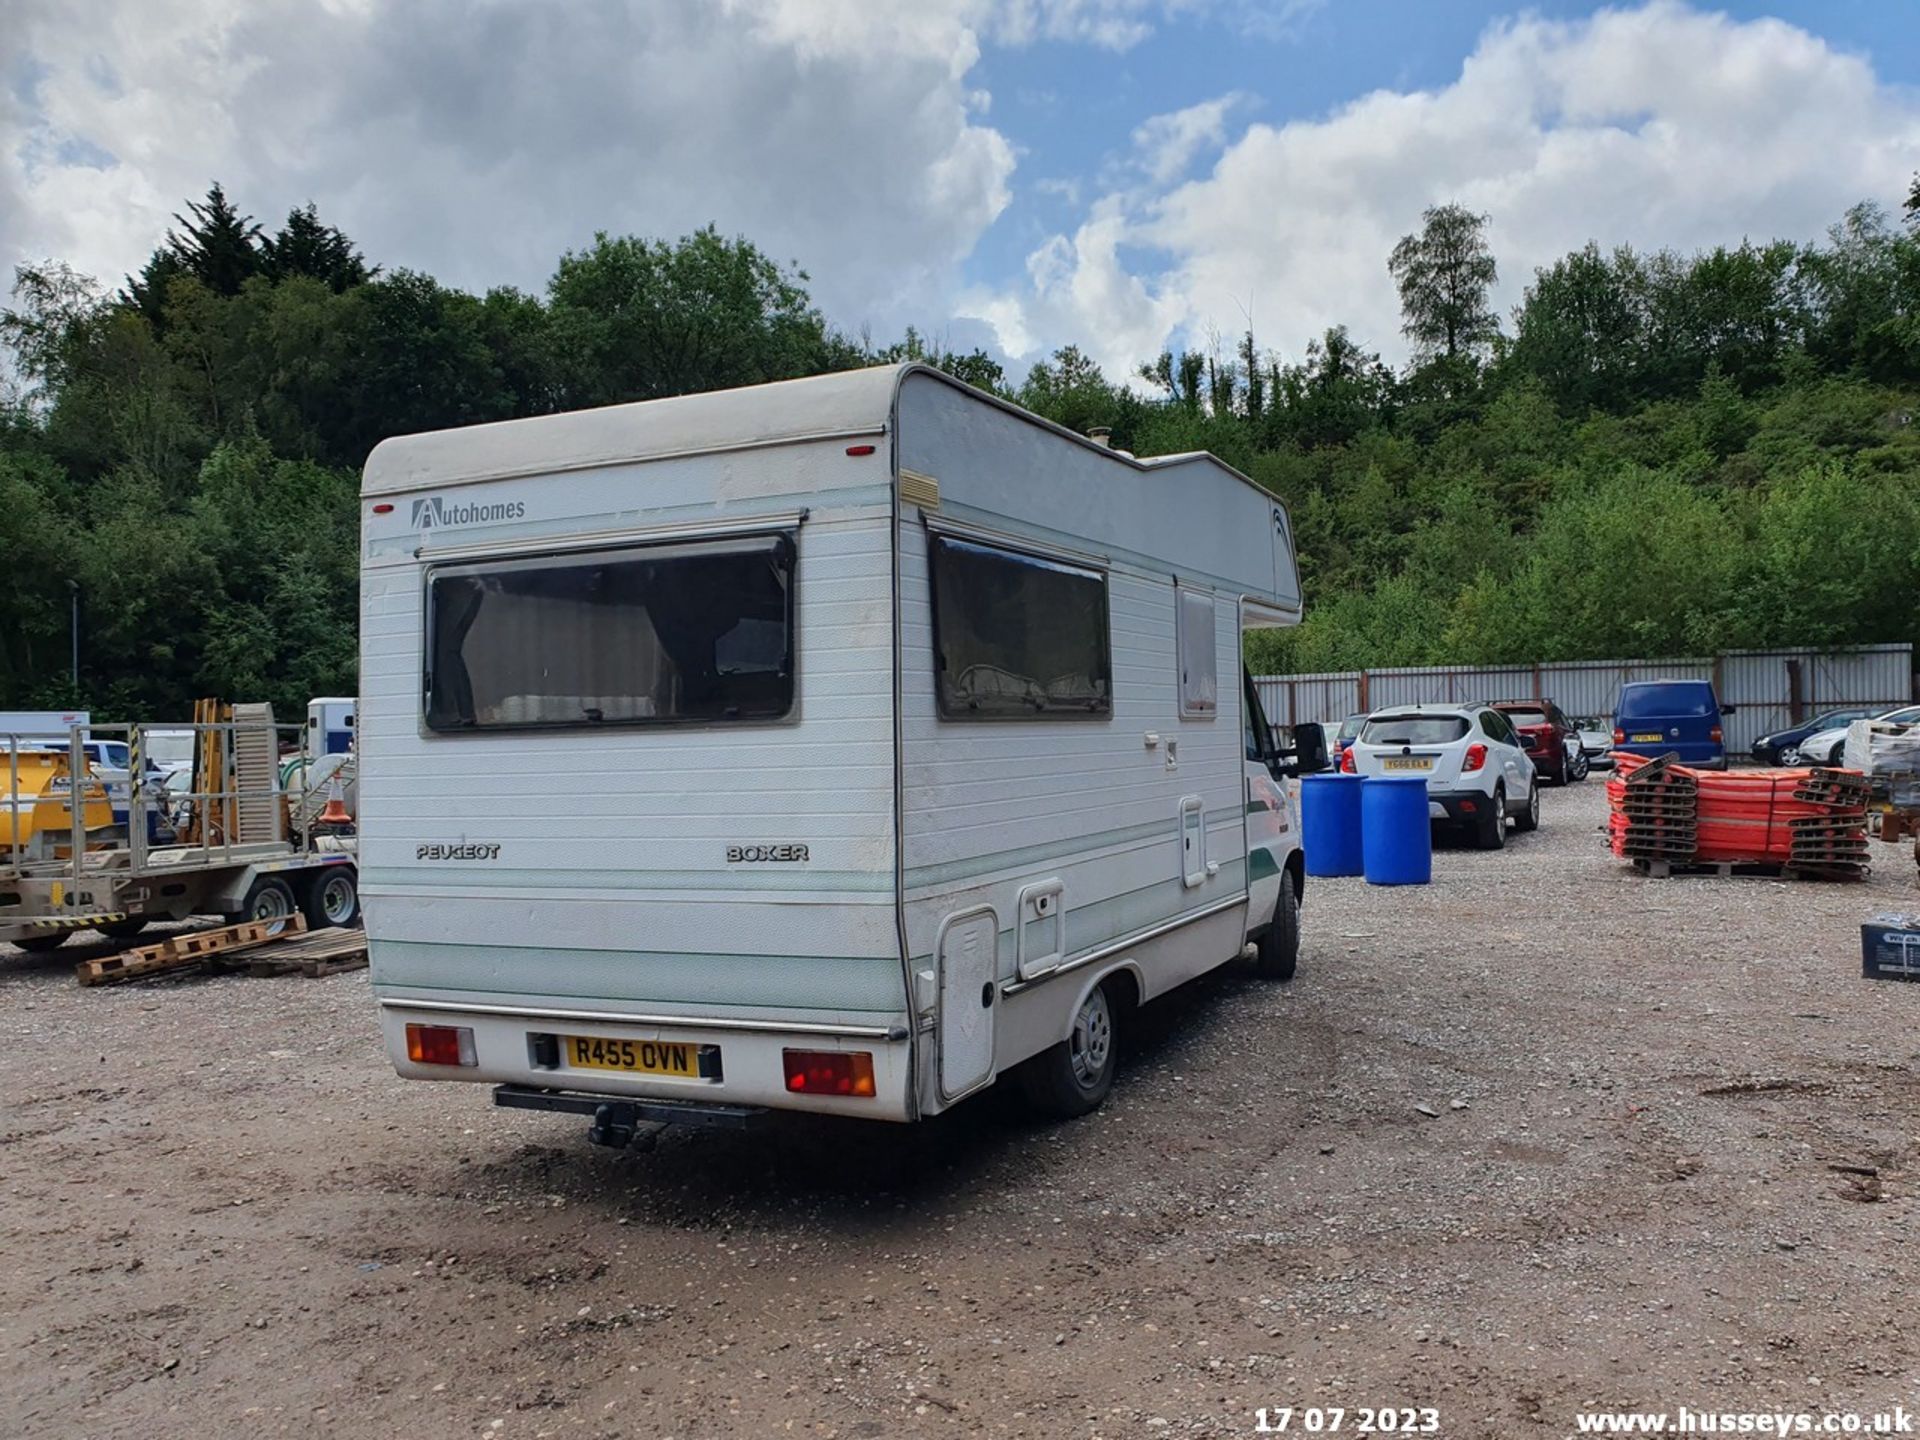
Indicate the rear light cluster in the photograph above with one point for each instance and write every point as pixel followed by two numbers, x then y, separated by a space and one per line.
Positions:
pixel 1476 757
pixel 441 1045
pixel 1715 735
pixel 1619 737
pixel 1346 762
pixel 829 1072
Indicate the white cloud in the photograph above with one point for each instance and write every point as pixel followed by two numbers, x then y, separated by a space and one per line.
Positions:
pixel 1659 126
pixel 1165 145
pixel 478 142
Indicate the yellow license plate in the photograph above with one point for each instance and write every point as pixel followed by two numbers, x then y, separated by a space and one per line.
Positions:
pixel 1407 762
pixel 632 1057
pixel 1653 738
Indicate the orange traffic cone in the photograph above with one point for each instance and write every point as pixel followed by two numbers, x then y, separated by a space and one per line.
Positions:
pixel 335 812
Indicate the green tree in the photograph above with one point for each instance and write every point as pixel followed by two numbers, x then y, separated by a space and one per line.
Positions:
pixel 305 246
pixel 640 319
pixel 1445 274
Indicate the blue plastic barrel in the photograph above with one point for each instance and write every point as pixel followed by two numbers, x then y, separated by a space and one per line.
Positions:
pixel 1396 838
pixel 1330 824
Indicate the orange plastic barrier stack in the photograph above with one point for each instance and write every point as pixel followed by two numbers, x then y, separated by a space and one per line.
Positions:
pixel 1812 822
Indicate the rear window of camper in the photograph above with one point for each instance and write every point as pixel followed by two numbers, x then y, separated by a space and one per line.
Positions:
pixel 656 634
pixel 1018 636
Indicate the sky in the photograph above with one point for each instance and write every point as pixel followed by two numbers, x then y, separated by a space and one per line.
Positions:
pixel 1124 175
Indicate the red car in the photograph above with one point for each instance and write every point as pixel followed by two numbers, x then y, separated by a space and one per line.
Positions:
pixel 1551 740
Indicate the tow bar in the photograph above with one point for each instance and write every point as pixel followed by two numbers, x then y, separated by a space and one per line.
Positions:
pixel 619 1123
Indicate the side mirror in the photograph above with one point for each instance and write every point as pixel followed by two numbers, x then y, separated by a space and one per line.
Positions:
pixel 1728 709
pixel 1309 753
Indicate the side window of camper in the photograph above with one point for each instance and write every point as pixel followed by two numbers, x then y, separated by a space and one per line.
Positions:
pixel 1017 636
pixel 652 634
pixel 1199 666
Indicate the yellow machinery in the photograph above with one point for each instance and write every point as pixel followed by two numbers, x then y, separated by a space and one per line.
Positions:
pixel 36 816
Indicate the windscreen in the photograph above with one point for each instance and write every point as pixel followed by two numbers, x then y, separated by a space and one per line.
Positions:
pixel 1676 699
pixel 656 634
pixel 1519 715
pixel 1413 730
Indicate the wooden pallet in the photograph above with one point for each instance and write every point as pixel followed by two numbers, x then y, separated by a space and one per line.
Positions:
pixel 180 952
pixel 1754 869
pixel 318 954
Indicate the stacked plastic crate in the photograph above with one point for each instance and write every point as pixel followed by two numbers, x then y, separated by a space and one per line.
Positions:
pixel 1794 821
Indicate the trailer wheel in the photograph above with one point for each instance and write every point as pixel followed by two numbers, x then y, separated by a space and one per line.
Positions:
pixel 1072 1078
pixel 123 929
pixel 271 898
pixel 1277 953
pixel 332 899
pixel 40 944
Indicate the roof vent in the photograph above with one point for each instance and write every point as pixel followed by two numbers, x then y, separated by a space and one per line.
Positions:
pixel 1101 435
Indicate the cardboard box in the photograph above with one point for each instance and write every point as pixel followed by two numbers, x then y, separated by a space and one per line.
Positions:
pixel 1890 947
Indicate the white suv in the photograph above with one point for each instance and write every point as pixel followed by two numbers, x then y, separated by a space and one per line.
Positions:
pixel 1477 774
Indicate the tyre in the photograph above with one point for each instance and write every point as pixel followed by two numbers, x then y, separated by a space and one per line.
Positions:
pixel 1493 821
pixel 1581 766
pixel 332 899
pixel 1838 755
pixel 1527 818
pixel 271 898
pixel 40 944
pixel 1790 757
pixel 1277 953
pixel 123 929
pixel 1072 1078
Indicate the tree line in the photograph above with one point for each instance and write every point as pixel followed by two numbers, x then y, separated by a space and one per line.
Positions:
pixel 1652 454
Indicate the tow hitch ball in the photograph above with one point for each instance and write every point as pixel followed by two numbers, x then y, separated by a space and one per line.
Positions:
pixel 616 1127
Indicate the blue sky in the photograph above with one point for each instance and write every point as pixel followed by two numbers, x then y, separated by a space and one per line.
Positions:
pixel 1017 174
pixel 1071 109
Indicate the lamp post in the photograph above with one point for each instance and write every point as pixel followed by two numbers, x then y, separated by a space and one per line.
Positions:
pixel 73 590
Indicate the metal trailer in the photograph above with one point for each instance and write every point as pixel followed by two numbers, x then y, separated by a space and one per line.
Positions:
pixel 237 845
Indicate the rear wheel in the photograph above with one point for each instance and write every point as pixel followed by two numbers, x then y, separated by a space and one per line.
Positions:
pixel 271 898
pixel 1277 953
pixel 43 942
pixel 332 899
pixel 1072 1078
pixel 1493 821
pixel 1528 816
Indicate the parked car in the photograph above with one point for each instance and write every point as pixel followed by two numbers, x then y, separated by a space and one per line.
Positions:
pixel 1349 728
pixel 1827 747
pixel 1477 772
pixel 1772 749
pixel 1549 738
pixel 1672 717
pixel 1596 740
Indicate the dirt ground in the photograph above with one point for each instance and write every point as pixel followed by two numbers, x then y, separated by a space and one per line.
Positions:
pixel 221 1214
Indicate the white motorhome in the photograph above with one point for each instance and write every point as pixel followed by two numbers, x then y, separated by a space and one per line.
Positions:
pixel 840 744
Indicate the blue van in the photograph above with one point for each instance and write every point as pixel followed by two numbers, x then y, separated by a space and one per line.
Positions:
pixel 1677 717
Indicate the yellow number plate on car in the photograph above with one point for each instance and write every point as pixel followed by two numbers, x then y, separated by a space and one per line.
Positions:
pixel 1653 738
pixel 634 1057
pixel 1407 762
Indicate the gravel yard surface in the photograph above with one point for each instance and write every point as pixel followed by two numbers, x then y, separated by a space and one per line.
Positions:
pixel 1542 1136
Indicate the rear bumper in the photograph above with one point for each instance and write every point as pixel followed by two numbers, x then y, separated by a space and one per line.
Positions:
pixel 1695 757
pixel 1457 807
pixel 517 1048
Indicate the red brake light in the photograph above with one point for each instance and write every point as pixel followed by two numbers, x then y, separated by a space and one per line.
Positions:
pixel 1619 737
pixel 441 1045
pixel 829 1072
pixel 1715 735
pixel 1476 757
pixel 1346 761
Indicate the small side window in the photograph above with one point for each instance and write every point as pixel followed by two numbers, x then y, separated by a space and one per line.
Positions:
pixel 1199 664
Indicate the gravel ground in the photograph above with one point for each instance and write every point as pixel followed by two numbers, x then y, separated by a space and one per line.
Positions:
pixel 1541 1136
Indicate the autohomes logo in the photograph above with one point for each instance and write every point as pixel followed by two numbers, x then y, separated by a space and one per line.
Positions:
pixel 433 512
